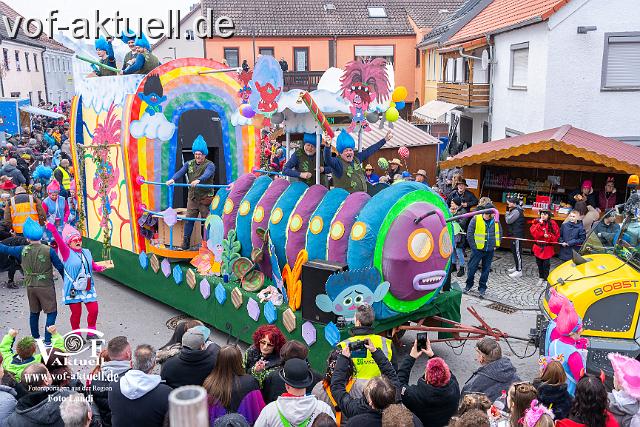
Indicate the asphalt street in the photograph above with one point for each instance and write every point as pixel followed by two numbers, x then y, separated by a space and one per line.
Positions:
pixel 145 321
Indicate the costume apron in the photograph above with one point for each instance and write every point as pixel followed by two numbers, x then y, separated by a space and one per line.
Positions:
pixel 557 348
pixel 77 266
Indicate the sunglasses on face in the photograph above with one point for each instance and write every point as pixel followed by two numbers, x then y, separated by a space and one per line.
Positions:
pixel 75 241
pixel 266 344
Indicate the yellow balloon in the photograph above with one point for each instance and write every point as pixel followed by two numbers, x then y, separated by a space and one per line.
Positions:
pixel 399 94
pixel 392 114
pixel 392 104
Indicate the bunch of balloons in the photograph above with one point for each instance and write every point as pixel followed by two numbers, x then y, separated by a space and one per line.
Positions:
pixel 397 103
pixel 403 152
pixel 383 163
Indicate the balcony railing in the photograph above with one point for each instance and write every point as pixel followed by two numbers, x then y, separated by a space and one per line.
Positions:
pixel 465 94
pixel 304 80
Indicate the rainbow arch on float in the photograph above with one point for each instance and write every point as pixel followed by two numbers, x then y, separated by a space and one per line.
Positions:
pixel 186 88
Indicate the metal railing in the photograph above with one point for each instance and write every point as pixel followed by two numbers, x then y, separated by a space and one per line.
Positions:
pixel 170 202
pixel 304 80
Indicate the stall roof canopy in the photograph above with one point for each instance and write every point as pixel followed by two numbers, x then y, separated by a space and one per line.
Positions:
pixel 597 149
pixel 41 112
pixel 404 135
pixel 433 110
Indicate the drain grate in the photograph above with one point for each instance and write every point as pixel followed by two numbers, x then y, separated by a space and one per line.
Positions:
pixel 173 322
pixel 498 306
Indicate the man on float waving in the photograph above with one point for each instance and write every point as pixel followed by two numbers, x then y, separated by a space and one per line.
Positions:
pixel 200 170
pixel 302 164
pixel 347 169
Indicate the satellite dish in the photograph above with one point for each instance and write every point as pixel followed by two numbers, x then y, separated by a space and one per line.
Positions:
pixel 485 59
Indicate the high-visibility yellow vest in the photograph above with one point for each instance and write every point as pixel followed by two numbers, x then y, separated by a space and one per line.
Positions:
pixel 21 211
pixel 480 233
pixel 366 367
pixel 66 178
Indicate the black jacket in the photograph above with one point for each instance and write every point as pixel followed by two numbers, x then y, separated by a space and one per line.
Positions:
pixel 433 405
pixel 273 385
pixel 189 367
pixel 374 418
pixel 572 233
pixel 38 408
pixel 147 410
pixel 492 378
pixel 556 397
pixel 349 406
pixel 467 196
pixel 100 386
pixel 515 222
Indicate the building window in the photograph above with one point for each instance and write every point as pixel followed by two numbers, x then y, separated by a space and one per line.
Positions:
pixel 266 51
pixel 17 61
pixel 5 54
pixel 377 12
pixel 40 96
pixel 510 133
pixel 232 56
pixel 519 65
pixel 35 61
pixel 189 35
pixel 620 61
pixel 15 94
pixel 371 52
pixel 26 61
pixel 301 59
pixel 417 57
pixel 59 67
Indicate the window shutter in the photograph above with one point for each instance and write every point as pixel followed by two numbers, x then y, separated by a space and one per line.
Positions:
pixel 623 62
pixel 519 67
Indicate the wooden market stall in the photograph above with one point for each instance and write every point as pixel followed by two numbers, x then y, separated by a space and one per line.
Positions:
pixel 546 166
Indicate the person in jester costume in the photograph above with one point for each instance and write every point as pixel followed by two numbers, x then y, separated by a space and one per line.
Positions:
pixel 79 286
pixel 144 61
pixel 55 207
pixel 72 203
pixel 38 261
pixel 347 169
pixel 104 51
pixel 200 170
pixel 302 163
pixel 129 37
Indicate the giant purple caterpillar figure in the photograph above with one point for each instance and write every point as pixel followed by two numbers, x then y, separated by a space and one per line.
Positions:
pixel 400 232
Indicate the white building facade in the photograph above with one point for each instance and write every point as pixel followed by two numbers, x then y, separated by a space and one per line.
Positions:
pixel 581 67
pixel 187 46
pixel 58 70
pixel 22 71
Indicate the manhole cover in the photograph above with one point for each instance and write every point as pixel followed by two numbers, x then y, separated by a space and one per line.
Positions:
pixel 173 322
pixel 502 308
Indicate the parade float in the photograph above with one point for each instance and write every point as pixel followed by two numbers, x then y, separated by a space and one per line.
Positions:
pixel 131 133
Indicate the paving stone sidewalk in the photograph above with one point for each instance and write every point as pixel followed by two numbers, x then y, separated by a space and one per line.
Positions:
pixel 522 293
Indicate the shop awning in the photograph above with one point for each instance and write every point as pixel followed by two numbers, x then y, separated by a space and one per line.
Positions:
pixel 433 110
pixel 41 112
pixel 605 154
pixel 404 135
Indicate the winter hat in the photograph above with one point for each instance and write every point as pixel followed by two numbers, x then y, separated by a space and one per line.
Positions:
pixel 199 144
pixel 587 184
pixel 69 233
pixel 345 141
pixel 437 372
pixel 142 42
pixel 193 339
pixel 309 138
pixel 627 373
pixel 406 174
pixel 32 230
pixel 53 187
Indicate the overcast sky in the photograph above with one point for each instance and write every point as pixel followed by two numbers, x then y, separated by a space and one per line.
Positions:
pixel 72 9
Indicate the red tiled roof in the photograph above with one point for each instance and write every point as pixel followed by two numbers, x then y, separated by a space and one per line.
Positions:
pixel 502 14
pixel 577 142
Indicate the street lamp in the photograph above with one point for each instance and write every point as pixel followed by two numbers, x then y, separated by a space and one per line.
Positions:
pixel 174 52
